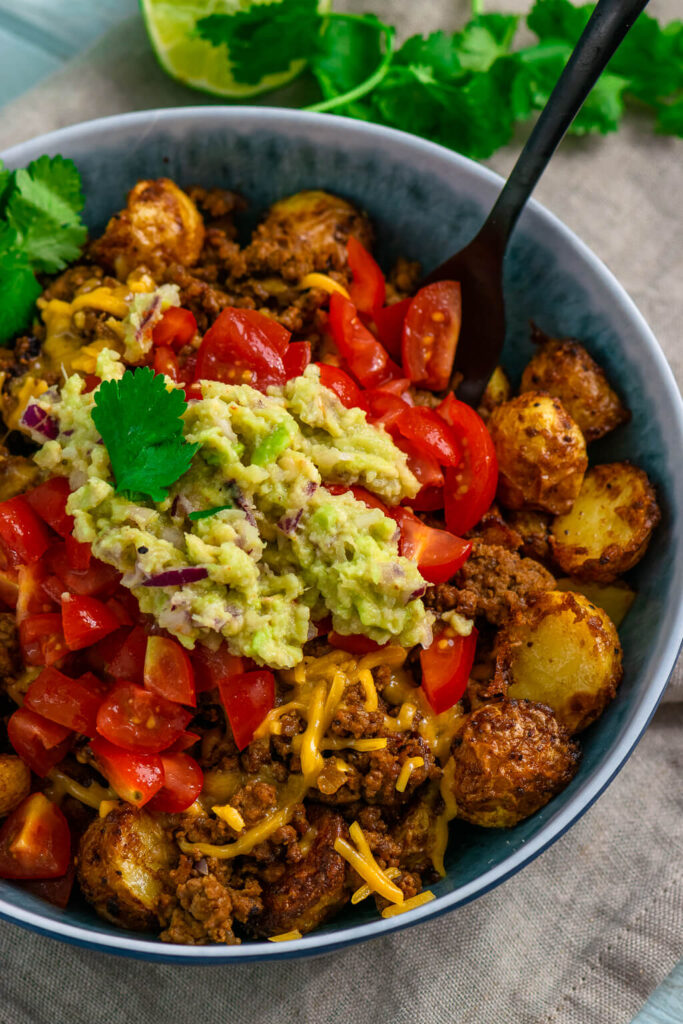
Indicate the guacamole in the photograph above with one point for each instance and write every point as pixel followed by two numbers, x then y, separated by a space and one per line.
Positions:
pixel 280 551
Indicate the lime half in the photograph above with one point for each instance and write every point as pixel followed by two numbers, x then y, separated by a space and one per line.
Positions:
pixel 194 61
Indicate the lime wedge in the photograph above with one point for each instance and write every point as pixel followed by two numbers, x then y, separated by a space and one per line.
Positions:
pixel 194 61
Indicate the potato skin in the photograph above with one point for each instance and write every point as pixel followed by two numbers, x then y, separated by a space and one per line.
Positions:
pixel 533 528
pixel 541 453
pixel 608 528
pixel 159 227
pixel 498 390
pixel 119 864
pixel 15 782
pixel 563 652
pixel 564 368
pixel 509 759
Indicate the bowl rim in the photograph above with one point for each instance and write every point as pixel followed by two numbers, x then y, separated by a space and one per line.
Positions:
pixel 125 943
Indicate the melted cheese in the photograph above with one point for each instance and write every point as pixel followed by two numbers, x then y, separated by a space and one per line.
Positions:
pixel 407 770
pixel 441 824
pixel 344 743
pixel 315 280
pixel 93 795
pixel 367 867
pixel 411 904
pixel 364 891
pixel 230 815
pixel 286 936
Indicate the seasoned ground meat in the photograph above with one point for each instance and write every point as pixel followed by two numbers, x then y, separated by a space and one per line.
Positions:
pixel 9 646
pixel 492 529
pixel 206 900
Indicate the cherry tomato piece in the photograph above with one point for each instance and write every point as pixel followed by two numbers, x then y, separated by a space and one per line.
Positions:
pixel 139 721
pixel 243 347
pixel 176 328
pixel 86 620
pixel 211 668
pixel 41 639
pixel 446 666
pixel 184 742
pixel 56 891
pixel 368 289
pixel 35 841
pixel 296 358
pixel 168 671
pixel 127 659
pixel 134 777
pixel 383 409
pixel 49 501
pixel 368 361
pixel 430 334
pixel 247 699
pixel 73 703
pixel 40 743
pixel 428 499
pixel 471 486
pixel 438 553
pixel 78 555
pixel 389 323
pixel 98 580
pixel 423 466
pixel 166 362
pixel 183 781
pixel 32 598
pixel 23 533
pixel 399 387
pixel 429 432
pixel 354 644
pixel 344 387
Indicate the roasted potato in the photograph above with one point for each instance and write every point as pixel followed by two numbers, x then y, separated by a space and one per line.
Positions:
pixel 159 227
pixel 614 598
pixel 497 391
pixel 509 759
pixel 564 369
pixel 609 526
pixel 541 453
pixel 10 656
pixel 533 528
pixel 15 782
pixel 119 864
pixel 562 651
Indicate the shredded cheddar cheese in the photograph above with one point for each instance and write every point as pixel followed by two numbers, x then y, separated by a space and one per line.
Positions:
pixel 364 891
pixel 286 936
pixel 370 871
pixel 407 770
pixel 315 280
pixel 106 806
pixel 93 795
pixel 230 815
pixel 411 904
pixel 342 743
pixel 441 824
pixel 104 299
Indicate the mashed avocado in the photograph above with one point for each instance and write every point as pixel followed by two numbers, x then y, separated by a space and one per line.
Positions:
pixel 281 551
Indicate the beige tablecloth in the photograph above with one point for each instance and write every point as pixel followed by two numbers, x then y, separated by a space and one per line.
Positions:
pixel 585 933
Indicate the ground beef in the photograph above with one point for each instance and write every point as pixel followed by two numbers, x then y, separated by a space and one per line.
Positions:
pixel 492 529
pixel 206 899
pixel 10 658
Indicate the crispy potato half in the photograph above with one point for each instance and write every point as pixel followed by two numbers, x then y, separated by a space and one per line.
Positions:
pixel 509 759
pixel 563 651
pixel 497 391
pixel 15 782
pixel 119 864
pixel 609 525
pixel 614 598
pixel 541 453
pixel 563 368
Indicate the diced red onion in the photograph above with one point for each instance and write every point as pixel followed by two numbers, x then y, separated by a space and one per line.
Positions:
pixel 420 592
pixel 147 316
pixel 37 419
pixel 177 577
pixel 288 524
pixel 243 504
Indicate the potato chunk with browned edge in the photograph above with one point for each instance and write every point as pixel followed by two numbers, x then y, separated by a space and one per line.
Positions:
pixel 541 453
pixel 609 526
pixel 563 368
pixel 15 782
pixel 497 391
pixel 119 864
pixel 563 651
pixel 509 759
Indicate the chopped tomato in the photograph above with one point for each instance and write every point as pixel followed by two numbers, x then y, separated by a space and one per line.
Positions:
pixel 22 532
pixel 183 781
pixel 383 408
pixel 176 328
pixel 430 334
pixel 211 668
pixel 166 362
pixel 389 324
pixel 243 347
pixel 78 555
pixel 346 389
pixel 97 580
pixel 128 660
pixel 40 743
pixel 438 553
pixel 69 702
pixel 428 499
pixel 184 742
pixel 54 890
pixel 354 644
pixel 86 620
pixel 247 699
pixel 168 671
pixel 31 597
pixel 9 587
pixel 423 466
pixel 135 777
pixel 470 486
pixel 296 358
pixel 49 501
pixel 35 841
pixel 120 609
pixel 137 720
pixel 367 290
pixel 446 666
pixel 371 500
pixel 367 359
pixel 398 386
pixel 428 431
pixel 41 639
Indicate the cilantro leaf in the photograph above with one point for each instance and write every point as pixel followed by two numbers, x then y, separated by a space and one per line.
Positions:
pixel 347 52
pixel 43 209
pixel 140 422
pixel 19 288
pixel 5 185
pixel 205 513
pixel 53 185
pixel 485 39
pixel 670 118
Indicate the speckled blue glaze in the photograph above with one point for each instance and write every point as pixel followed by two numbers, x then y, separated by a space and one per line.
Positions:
pixel 426 202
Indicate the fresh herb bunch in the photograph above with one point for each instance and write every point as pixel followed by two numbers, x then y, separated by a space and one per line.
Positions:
pixel 467 89
pixel 40 231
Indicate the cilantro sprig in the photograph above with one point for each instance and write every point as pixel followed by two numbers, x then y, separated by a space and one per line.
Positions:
pixel 40 232
pixel 466 89
pixel 140 422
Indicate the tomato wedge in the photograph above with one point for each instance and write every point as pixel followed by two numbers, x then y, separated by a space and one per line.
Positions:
pixel 140 721
pixel 243 347
pixel 168 671
pixel 183 781
pixel 73 703
pixel 128 660
pixel 32 598
pixel 35 841
pixel 78 555
pixel 40 743
pixel 367 359
pixel 86 620
pixel 184 742
pixel 438 553
pixel 176 328
pixel 135 777
pixel 247 699
pixel 471 486
pixel 422 465
pixel 166 362
pixel 211 668
pixel 23 533
pixel 41 639
pixel 346 389
pixel 446 666
pixel 97 580
pixel 429 499
pixel 383 408
pixel 430 433
pixel 354 643
pixel 389 323
pixel 49 501
pixel 430 334
pixel 296 358
pixel 368 289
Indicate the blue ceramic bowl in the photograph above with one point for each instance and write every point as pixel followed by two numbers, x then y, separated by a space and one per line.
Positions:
pixel 425 202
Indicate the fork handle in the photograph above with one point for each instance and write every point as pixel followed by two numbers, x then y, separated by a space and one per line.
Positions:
pixel 608 25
